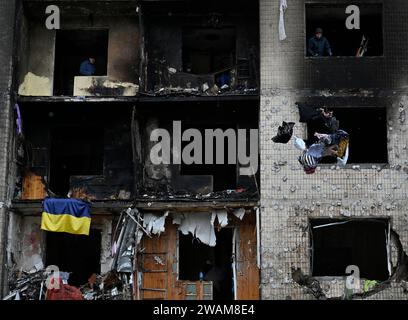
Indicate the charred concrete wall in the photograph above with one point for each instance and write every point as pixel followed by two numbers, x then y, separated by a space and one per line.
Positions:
pixel 166 24
pixel 171 178
pixel 7 14
pixel 27 243
pixel 38 44
pixel 289 197
pixel 111 133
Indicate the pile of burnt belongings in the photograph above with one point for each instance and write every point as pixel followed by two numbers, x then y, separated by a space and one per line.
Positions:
pixel 27 286
pixel 110 286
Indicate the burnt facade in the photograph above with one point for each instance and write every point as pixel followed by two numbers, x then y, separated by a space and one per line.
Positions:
pixel 159 66
pixel 311 224
pixel 167 72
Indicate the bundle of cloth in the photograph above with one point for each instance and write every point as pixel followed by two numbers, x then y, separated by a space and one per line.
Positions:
pixel 327 141
pixel 328 145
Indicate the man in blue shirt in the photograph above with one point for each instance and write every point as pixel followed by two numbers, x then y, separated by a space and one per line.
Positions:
pixel 318 45
pixel 87 67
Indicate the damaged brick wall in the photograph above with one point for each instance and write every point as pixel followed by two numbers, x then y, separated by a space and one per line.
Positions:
pixel 289 197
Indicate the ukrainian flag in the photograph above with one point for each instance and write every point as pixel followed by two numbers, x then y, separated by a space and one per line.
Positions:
pixel 66 215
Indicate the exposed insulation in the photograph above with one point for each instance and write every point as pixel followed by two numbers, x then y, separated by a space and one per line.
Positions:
pixel 35 85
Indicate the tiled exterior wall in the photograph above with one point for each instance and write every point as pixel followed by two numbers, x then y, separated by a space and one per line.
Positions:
pixel 288 196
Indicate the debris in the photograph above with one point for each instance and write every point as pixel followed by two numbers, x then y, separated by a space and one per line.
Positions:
pixel 172 70
pixel 285 132
pixel 154 224
pixel 299 144
pixel 345 213
pixel 402 115
pixel 158 260
pixel 27 286
pixel 64 292
pixel 369 285
pixel 200 226
pixel 222 217
pixel 239 213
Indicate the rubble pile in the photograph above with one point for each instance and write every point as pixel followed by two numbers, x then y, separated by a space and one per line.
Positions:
pixel 110 286
pixel 27 286
pixel 238 193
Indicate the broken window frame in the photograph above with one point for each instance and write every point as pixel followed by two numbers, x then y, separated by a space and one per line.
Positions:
pixel 310 3
pixel 55 133
pixel 339 221
pixel 234 257
pixel 360 165
pixel 58 72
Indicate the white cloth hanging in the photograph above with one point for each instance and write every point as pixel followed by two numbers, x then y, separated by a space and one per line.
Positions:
pixel 282 8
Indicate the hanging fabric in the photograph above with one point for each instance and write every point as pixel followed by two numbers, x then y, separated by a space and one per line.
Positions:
pixel 282 8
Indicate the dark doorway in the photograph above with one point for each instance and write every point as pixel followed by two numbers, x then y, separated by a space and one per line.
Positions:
pixel 208 50
pixel 74 46
pixel 215 263
pixel 77 254
pixel 350 242
pixel 74 151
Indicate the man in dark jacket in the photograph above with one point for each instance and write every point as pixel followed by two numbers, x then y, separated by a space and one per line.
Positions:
pixel 318 45
pixel 87 67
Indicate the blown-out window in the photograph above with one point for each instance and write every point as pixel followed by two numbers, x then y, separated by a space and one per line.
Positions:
pixel 367 40
pixel 367 127
pixel 72 48
pixel 337 244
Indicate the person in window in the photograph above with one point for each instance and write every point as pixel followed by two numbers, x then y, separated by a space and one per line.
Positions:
pixel 87 67
pixel 318 45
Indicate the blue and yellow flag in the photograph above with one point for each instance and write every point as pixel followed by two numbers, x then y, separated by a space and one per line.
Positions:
pixel 66 215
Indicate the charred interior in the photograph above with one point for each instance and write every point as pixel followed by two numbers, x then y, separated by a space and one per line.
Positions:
pixel 79 255
pixel 337 244
pixel 201 49
pixel 86 151
pixel 345 42
pixel 220 177
pixel 71 48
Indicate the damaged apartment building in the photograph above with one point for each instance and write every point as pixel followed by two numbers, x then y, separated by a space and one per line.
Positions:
pixel 199 231
pixel 157 231
pixel 316 227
